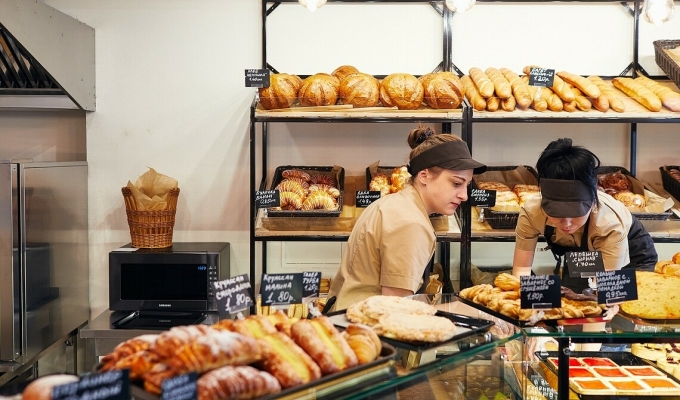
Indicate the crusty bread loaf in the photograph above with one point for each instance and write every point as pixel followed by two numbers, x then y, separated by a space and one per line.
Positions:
pixel 401 90
pixel 537 103
pixel 638 92
pixel 615 102
pixel 561 88
pixel 500 83
pixel 587 87
pixel 41 388
pixel 669 98
pixel 508 104
pixel 442 90
pixel 474 97
pixel 281 93
pixel 482 81
pixel 570 106
pixel 343 71
pixel 319 90
pixel 519 88
pixel 493 103
pixel 359 90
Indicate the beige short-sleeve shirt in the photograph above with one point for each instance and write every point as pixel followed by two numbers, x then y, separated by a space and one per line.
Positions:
pixel 391 244
pixel 607 230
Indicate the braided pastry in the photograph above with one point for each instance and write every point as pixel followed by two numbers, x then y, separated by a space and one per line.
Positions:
pixel 506 281
pixel 660 267
pixel 243 382
pixel 319 200
pixel 321 179
pixel 169 341
pixel 296 173
pixel 320 187
pixel 127 348
pixel 138 363
pixel 471 292
pixel 290 201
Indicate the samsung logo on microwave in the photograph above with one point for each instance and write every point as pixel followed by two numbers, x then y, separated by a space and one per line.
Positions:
pixel 165 305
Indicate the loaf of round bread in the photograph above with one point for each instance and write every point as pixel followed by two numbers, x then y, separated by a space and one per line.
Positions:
pixel 319 90
pixel 442 90
pixel 360 90
pixel 41 388
pixel 401 90
pixel 282 91
pixel 343 71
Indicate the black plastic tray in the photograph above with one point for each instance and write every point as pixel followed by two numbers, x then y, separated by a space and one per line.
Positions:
pixel 670 184
pixel 639 215
pixel 621 358
pixel 278 177
pixel 387 354
pixel 664 61
pixel 467 326
pixel 517 322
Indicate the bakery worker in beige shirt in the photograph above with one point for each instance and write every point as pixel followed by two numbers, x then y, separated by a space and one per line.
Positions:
pixel 574 216
pixel 393 240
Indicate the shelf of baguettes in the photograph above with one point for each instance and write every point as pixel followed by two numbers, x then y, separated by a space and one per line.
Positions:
pixel 446 228
pixel 629 108
pixel 344 112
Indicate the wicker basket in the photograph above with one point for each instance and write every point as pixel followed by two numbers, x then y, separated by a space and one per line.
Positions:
pixel 664 61
pixel 151 229
pixel 670 184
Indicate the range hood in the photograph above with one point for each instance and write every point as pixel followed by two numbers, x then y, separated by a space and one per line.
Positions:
pixel 46 58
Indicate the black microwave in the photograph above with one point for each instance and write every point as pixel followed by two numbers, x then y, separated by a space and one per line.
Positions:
pixel 176 278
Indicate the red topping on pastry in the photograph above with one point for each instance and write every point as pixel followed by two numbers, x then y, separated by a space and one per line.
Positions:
pixel 580 372
pixel 573 362
pixel 643 371
pixel 598 362
pixel 626 385
pixel 591 385
pixel 611 372
pixel 660 383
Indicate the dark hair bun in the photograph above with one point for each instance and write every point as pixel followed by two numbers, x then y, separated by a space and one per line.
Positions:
pixel 419 135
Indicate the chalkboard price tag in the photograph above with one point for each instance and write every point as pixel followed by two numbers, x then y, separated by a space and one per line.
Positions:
pixel 616 286
pixel 482 197
pixel 281 289
pixel 112 385
pixel 258 78
pixel 311 283
pixel 540 292
pixel 182 387
pixel 232 295
pixel 366 197
pixel 544 387
pixel 267 198
pixel 542 77
pixel 584 264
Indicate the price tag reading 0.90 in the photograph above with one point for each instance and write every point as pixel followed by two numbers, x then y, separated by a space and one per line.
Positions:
pixel 616 286
pixel 281 289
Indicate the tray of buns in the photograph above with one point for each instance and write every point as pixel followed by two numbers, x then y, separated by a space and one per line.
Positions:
pixel 265 357
pixel 611 375
pixel 624 187
pixel 670 178
pixel 513 185
pixel 407 325
pixel 386 180
pixel 308 191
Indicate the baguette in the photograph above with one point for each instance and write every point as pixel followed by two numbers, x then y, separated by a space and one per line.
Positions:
pixel 638 92
pixel 669 98
pixel 472 94
pixel 560 88
pixel 615 103
pixel 538 103
pixel 493 103
pixel 570 106
pixel 555 103
pixel 600 103
pixel 582 102
pixel 519 88
pixel 500 83
pixel 483 83
pixel 587 87
pixel 509 103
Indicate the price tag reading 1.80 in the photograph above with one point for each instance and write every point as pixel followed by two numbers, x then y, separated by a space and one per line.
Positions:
pixel 232 295
pixel 281 289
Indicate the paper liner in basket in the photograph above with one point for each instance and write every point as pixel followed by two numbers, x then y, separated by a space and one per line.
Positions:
pixel 150 191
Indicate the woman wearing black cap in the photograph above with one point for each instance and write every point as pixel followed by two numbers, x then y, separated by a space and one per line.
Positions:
pixel 393 240
pixel 574 216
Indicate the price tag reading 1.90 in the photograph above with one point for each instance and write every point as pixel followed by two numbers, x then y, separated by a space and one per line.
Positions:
pixel 540 292
pixel 281 289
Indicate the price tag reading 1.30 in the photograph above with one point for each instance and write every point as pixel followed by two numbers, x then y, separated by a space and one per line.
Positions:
pixel 281 289
pixel 233 295
pixel 616 286
pixel 540 292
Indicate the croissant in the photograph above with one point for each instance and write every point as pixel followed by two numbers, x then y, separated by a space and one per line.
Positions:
pixel 254 326
pixel 630 199
pixel 324 343
pixel 321 179
pixel 302 181
pixel 319 200
pixel 138 363
pixel 169 341
pixel 127 348
pixel 214 350
pixel 364 342
pixel 320 187
pixel 284 359
pixel 290 201
pixel 230 382
pixel 281 321
pixel 295 173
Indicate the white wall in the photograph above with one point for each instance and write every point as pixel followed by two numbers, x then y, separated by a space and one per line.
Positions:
pixel 171 95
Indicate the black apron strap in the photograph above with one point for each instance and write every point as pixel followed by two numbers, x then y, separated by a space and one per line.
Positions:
pixel 576 284
pixel 641 249
pixel 426 276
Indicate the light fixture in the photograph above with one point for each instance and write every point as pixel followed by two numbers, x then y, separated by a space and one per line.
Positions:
pixel 658 11
pixel 312 5
pixel 459 6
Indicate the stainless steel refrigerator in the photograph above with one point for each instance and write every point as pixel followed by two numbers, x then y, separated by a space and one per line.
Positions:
pixel 44 271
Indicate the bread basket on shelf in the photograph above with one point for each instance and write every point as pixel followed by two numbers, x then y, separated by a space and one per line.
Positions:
pixel 664 60
pixel 151 228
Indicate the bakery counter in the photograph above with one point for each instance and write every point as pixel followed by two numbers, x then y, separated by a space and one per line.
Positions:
pixel 336 228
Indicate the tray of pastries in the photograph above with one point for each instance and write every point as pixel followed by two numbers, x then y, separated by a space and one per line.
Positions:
pixel 264 357
pixel 502 300
pixel 643 204
pixel 611 375
pixel 308 191
pixel 666 356
pixel 409 324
